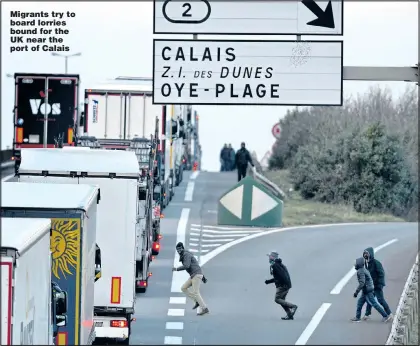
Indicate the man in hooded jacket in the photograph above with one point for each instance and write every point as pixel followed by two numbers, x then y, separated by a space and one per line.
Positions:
pixel 377 273
pixel 191 287
pixel 366 286
pixel 281 278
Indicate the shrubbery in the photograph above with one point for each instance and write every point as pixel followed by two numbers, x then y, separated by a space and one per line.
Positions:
pixel 364 153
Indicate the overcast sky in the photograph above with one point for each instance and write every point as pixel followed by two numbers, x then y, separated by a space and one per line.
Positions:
pixel 115 39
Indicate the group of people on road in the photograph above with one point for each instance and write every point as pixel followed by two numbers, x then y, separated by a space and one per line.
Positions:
pixel 369 270
pixel 370 275
pixel 230 160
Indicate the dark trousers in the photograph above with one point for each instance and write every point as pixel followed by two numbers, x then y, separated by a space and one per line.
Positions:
pixel 241 172
pixel 280 298
pixel 379 294
pixel 371 300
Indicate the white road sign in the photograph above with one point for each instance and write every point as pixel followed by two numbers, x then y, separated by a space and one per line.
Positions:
pixel 248 17
pixel 207 72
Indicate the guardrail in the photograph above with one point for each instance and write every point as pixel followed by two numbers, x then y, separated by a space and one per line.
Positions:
pixel 256 173
pixel 406 315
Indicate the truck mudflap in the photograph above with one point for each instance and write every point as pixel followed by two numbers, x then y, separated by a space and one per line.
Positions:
pixel 107 327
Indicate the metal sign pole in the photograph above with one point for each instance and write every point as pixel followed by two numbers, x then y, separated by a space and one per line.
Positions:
pixel 45 140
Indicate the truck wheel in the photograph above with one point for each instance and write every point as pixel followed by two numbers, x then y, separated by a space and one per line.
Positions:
pixel 141 289
pixel 125 341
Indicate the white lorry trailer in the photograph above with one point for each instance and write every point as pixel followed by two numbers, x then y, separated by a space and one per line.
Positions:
pixel 117 175
pixel 30 307
pixel 75 256
pixel 122 109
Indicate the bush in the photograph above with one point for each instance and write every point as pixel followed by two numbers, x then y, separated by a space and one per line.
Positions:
pixel 364 153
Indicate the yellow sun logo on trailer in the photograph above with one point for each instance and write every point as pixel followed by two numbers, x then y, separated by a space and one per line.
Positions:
pixel 65 246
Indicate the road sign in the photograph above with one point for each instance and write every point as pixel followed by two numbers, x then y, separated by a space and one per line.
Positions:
pixel 207 72
pixel 276 131
pixel 248 17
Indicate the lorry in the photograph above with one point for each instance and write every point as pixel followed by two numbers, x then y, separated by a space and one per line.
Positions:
pixel 75 254
pixel 116 173
pixel 146 151
pixel 178 140
pixel 33 307
pixel 122 109
pixel 45 112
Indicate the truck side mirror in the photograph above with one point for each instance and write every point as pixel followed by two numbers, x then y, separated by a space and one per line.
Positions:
pixel 61 303
pixel 174 128
pixel 142 194
pixel 61 320
pixel 82 119
pixel 98 263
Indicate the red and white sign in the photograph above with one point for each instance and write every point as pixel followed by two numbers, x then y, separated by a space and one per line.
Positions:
pixel 276 131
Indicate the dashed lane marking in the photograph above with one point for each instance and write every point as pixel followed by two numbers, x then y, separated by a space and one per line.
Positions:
pixel 177 300
pixel 175 325
pixel 173 340
pixel 176 312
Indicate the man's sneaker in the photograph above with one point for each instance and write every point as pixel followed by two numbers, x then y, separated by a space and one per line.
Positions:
pixel 366 317
pixel 196 305
pixel 293 310
pixel 203 312
pixel 387 319
pixel 355 319
pixel 287 318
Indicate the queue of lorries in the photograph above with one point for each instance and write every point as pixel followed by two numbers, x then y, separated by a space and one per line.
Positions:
pixel 81 225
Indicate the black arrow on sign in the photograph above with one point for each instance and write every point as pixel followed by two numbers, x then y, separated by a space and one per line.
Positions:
pixel 325 18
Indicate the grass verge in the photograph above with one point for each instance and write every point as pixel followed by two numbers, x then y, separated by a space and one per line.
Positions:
pixel 298 211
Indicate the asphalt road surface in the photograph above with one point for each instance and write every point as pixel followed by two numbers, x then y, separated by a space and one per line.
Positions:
pixel 242 308
pixel 7 173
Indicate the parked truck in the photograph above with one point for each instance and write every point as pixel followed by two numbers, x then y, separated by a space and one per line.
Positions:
pixel 122 109
pixel 45 111
pixel 33 307
pixel 75 255
pixel 116 173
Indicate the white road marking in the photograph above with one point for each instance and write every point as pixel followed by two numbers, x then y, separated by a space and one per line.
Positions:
pixel 222 227
pixel 213 240
pixel 195 229
pixel 176 312
pixel 193 244
pixel 194 175
pixel 7 177
pixel 194 233
pixel 204 259
pixel 228 232
pixel 194 239
pixel 178 278
pixel 343 282
pixel 173 340
pixel 177 300
pixel 210 245
pixel 175 325
pixel 189 192
pixel 225 235
pixel 310 328
pixel 193 250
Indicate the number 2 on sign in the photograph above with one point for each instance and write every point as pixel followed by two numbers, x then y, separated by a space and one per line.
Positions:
pixel 188 9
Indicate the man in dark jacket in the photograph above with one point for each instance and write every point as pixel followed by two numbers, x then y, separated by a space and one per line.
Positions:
pixel 377 273
pixel 366 286
pixel 281 278
pixel 190 264
pixel 231 157
pixel 224 158
pixel 241 161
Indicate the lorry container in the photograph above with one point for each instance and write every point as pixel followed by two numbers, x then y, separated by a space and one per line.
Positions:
pixel 122 109
pixel 117 175
pixel 32 306
pixel 75 255
pixel 44 99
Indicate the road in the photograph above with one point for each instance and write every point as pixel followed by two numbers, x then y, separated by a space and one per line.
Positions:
pixel 242 308
pixel 7 174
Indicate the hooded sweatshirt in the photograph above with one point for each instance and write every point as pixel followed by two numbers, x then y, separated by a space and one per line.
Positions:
pixel 375 268
pixel 280 274
pixel 363 277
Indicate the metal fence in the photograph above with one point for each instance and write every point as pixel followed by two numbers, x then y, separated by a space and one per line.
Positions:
pixel 257 173
pixel 404 328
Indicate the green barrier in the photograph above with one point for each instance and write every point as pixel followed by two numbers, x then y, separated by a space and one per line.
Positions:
pixel 250 204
